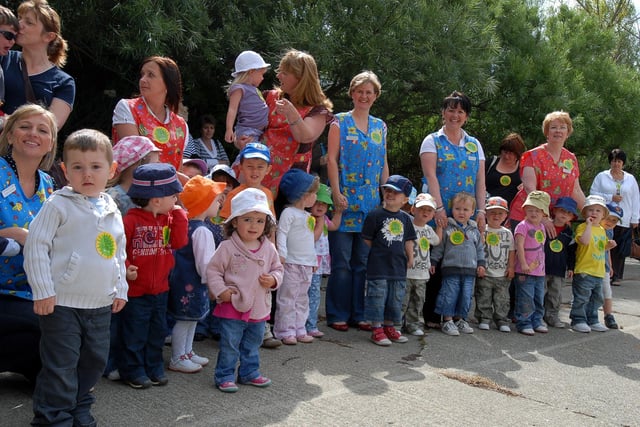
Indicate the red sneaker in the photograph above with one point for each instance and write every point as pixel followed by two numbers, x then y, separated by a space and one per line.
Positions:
pixel 379 337
pixel 393 334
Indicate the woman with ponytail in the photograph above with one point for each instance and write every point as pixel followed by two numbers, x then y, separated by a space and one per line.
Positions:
pixel 44 53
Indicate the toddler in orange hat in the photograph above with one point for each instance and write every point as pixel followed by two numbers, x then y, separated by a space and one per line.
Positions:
pixel 188 292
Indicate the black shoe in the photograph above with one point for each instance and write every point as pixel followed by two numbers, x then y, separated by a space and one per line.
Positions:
pixel 159 381
pixel 610 321
pixel 140 382
pixel 199 337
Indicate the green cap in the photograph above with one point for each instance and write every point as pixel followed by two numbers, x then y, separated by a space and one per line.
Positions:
pixel 324 194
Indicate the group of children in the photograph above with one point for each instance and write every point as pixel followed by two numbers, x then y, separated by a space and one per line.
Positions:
pixel 158 247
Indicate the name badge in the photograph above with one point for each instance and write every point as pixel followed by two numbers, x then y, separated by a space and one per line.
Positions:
pixel 9 190
pixel 352 137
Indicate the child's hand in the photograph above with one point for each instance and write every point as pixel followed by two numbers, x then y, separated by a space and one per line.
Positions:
pixel 226 295
pixel 432 269
pixel 132 272
pixel 611 244
pixel 589 220
pixel 45 306
pixel 118 304
pixel 229 136
pixel 338 208
pixel 569 274
pixel 267 281
pixel 480 272
pixel 511 273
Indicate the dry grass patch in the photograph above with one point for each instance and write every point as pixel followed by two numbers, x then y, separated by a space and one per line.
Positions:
pixel 480 382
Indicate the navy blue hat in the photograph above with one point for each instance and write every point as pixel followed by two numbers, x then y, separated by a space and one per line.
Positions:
pixel 294 183
pixel 615 210
pixel 255 150
pixel 399 183
pixel 154 180
pixel 568 204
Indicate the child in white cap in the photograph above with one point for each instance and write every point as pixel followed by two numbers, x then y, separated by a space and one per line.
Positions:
pixel 418 274
pixel 530 236
pixel 245 100
pixel 492 290
pixel 241 275
pixel 592 244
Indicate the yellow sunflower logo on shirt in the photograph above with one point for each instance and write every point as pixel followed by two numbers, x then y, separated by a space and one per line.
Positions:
pixel 106 245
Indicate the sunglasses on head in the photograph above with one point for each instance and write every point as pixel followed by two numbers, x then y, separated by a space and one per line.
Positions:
pixel 8 35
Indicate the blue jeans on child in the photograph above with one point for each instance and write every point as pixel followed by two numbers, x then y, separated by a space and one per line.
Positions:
pixel 454 298
pixel 314 303
pixel 239 341
pixel 143 328
pixel 383 300
pixel 345 287
pixel 74 347
pixel 587 298
pixel 529 301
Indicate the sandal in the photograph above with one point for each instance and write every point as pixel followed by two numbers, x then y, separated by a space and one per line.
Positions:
pixel 342 327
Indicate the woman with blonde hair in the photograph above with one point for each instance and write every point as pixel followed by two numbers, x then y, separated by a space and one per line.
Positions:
pixel 35 75
pixel 26 187
pixel 298 114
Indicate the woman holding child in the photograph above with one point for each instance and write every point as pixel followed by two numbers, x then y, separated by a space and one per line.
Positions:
pixel 26 187
pixel 298 114
pixel 357 166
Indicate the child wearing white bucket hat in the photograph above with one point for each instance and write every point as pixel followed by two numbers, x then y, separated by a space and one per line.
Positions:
pixel 241 274
pixel 246 103
pixel 589 271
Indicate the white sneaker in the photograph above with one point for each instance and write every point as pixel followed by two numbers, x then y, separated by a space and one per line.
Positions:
pixel 202 361
pixel 483 326
pixel 114 375
pixel 581 327
pixel 464 327
pixel 505 328
pixel 542 329
pixel 417 332
pixel 598 327
pixel 450 328
pixel 185 365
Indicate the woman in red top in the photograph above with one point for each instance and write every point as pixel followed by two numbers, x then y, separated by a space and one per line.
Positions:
pixel 550 167
pixel 298 114
pixel 154 113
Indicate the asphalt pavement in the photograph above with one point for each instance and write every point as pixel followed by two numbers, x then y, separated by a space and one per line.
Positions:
pixel 489 378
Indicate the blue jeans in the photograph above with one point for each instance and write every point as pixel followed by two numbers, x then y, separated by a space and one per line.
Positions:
pixel 239 341
pixel 74 347
pixel 529 301
pixel 345 288
pixel 454 298
pixel 587 298
pixel 383 300
pixel 314 303
pixel 144 327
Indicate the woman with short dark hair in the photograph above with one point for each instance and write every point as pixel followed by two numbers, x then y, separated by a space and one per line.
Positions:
pixel 206 148
pixel 619 188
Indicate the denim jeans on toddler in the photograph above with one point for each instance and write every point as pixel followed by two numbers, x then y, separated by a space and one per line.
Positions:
pixel 239 341
pixel 587 299
pixel 314 303
pixel 383 300
pixel 529 301
pixel 143 328
pixel 454 298
pixel 74 347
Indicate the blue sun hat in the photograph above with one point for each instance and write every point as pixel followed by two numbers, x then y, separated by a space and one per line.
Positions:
pixel 255 150
pixel 615 210
pixel 154 180
pixel 294 183
pixel 568 204
pixel 400 184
